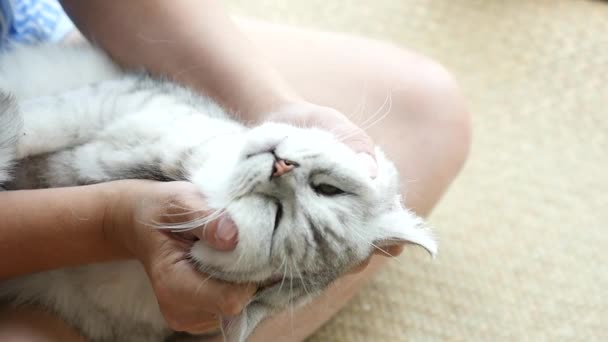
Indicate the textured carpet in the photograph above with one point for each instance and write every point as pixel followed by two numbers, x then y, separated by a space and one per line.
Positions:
pixel 524 229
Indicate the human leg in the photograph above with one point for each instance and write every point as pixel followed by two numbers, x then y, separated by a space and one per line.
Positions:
pixel 426 131
pixel 33 325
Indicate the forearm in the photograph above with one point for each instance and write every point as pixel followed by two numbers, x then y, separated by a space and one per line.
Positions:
pixel 52 228
pixel 192 41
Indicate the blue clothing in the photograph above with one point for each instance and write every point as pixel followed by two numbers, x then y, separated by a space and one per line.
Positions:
pixel 32 21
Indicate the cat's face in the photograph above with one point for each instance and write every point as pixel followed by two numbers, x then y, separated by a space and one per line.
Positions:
pixel 307 211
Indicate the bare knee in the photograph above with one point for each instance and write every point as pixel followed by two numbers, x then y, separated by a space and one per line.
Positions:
pixel 444 119
pixel 429 99
pixel 430 125
pixel 427 131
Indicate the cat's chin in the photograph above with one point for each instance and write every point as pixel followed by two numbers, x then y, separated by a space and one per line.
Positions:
pixel 261 276
pixel 271 282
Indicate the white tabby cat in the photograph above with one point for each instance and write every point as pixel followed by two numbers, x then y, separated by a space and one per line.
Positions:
pixel 306 210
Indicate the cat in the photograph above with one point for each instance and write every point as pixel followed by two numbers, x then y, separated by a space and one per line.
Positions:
pixel 307 211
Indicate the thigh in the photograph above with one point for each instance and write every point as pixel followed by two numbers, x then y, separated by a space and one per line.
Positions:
pixel 33 325
pixel 407 103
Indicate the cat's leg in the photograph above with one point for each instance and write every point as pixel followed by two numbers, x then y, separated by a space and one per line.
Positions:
pixel 56 122
pixel 426 132
pixel 40 70
pixel 103 161
pixel 10 127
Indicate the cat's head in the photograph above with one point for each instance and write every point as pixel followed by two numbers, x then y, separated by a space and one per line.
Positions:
pixel 307 212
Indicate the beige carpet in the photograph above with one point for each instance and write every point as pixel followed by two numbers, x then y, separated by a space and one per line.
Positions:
pixel 524 229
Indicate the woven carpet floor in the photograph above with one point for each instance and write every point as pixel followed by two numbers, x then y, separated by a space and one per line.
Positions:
pixel 524 228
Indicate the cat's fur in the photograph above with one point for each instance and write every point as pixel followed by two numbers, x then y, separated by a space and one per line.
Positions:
pixel 74 118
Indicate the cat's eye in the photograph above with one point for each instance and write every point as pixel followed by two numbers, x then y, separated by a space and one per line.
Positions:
pixel 327 190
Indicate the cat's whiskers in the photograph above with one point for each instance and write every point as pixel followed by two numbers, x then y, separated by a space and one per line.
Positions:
pixel 367 124
pixel 302 281
pixel 290 302
pixel 186 210
pixel 199 287
pixel 377 112
pixel 363 239
pixel 284 266
pixel 343 135
pixel 357 113
pixel 189 225
pixel 381 117
pixel 202 269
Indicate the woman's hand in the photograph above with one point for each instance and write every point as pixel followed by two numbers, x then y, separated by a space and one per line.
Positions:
pixel 311 115
pixel 189 300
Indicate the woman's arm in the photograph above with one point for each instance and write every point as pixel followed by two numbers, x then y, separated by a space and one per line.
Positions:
pixel 46 229
pixel 193 41
pixel 196 43
pixel 62 227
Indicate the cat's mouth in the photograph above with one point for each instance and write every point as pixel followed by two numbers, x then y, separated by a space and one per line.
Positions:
pixel 274 280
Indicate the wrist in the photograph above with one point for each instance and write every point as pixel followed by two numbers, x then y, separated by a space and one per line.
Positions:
pixel 118 220
pixel 133 207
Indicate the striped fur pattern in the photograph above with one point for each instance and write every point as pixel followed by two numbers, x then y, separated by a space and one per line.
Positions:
pixel 73 118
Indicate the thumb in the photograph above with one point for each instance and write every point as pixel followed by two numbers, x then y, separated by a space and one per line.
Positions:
pixel 221 234
pixel 356 138
pixel 363 145
pixel 187 204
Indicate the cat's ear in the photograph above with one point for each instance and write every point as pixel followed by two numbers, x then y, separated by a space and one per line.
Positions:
pixel 401 226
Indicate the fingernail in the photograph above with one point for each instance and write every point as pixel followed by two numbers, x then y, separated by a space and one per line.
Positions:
pixel 226 229
pixel 369 163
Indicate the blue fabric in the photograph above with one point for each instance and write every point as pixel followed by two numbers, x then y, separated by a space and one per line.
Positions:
pixel 32 21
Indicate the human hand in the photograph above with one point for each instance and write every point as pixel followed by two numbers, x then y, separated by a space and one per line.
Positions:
pixel 189 300
pixel 311 115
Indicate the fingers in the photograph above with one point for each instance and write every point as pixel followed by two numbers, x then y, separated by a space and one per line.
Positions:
pixel 213 324
pixel 203 323
pixel 191 301
pixel 349 133
pixel 358 140
pixel 221 234
pixel 234 298
pixel 311 115
pixel 188 204
pixel 361 143
pixel 213 295
pixel 369 163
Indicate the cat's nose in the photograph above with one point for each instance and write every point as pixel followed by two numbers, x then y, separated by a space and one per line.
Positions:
pixel 281 167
